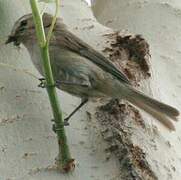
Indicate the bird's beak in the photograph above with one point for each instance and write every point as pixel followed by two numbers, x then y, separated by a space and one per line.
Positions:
pixel 10 39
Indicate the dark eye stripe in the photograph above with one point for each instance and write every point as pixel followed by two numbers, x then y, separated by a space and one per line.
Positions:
pixel 24 23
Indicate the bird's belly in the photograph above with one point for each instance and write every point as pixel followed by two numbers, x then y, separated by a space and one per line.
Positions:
pixel 81 92
pixel 76 73
pixel 73 73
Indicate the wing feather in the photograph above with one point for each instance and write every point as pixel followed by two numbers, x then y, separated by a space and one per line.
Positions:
pixel 68 40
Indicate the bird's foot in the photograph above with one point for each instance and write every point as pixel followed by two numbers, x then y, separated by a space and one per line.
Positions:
pixel 66 123
pixel 55 128
pixel 43 83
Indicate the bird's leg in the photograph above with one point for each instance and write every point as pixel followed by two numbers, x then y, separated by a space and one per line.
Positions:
pixel 66 123
pixel 83 102
pixel 58 83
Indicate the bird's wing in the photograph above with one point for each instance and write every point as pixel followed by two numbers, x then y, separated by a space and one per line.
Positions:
pixel 66 39
pixel 103 63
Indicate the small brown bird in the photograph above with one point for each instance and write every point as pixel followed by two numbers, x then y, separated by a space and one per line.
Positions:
pixel 82 71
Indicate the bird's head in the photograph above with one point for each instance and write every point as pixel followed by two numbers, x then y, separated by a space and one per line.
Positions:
pixel 24 28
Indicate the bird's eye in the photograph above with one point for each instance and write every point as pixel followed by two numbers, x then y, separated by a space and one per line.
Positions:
pixel 24 23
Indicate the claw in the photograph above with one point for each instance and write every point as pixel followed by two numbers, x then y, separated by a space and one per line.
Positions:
pixel 42 83
pixel 54 128
pixel 66 123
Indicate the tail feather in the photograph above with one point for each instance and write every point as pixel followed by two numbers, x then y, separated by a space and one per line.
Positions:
pixel 158 115
pixel 162 112
pixel 164 108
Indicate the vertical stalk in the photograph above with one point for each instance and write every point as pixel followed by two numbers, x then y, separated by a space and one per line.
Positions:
pixel 64 160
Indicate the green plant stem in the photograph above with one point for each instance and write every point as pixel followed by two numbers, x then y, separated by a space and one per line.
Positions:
pixel 64 157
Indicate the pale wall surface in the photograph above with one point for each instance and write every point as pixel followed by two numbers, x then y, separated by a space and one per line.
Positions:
pixel 27 144
pixel 159 21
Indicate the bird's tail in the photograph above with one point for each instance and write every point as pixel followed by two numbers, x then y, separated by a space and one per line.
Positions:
pixel 162 112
